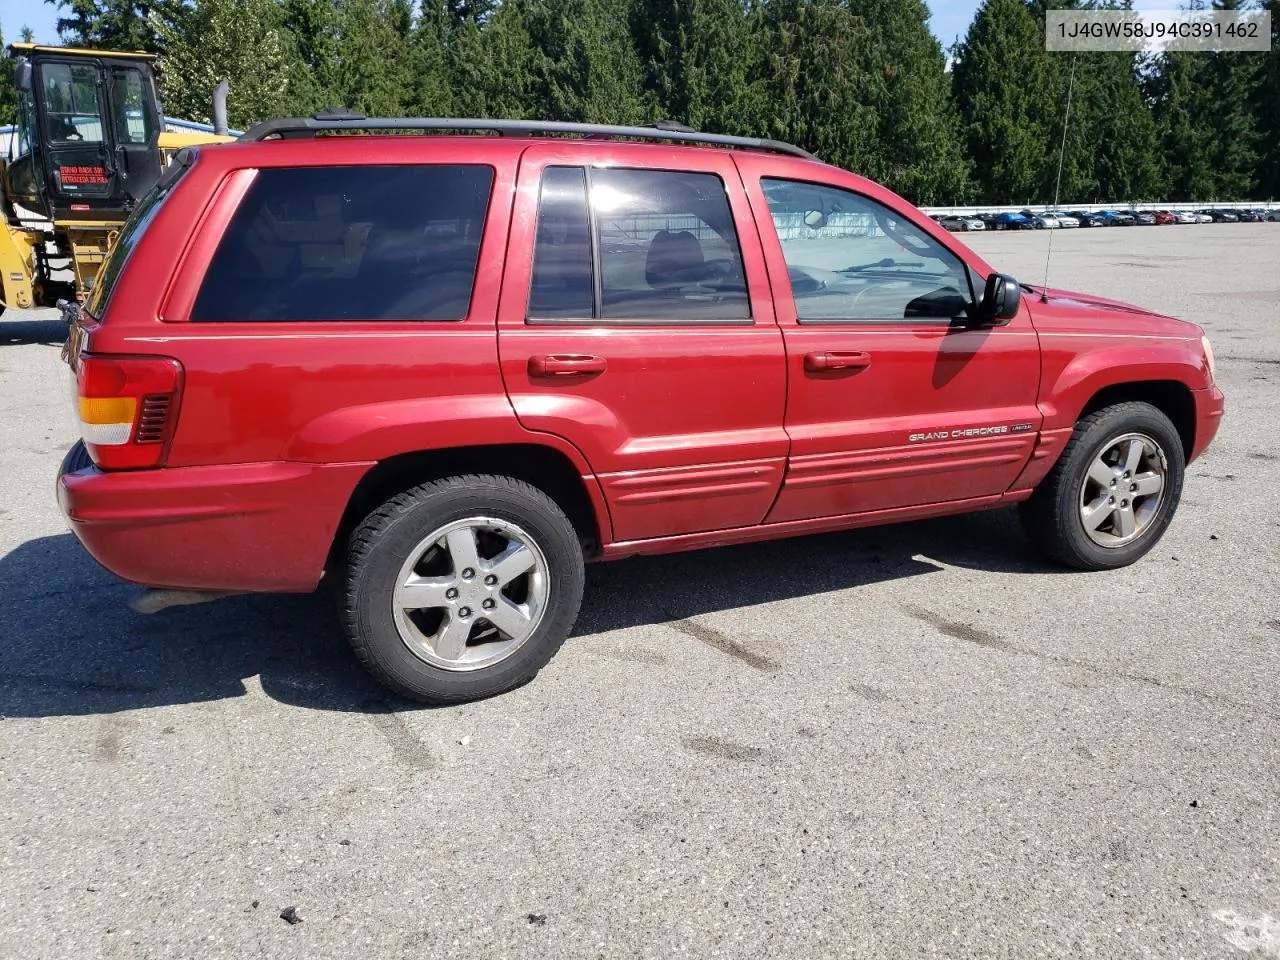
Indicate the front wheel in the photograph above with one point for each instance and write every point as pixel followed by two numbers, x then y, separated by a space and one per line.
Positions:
pixel 462 588
pixel 1113 492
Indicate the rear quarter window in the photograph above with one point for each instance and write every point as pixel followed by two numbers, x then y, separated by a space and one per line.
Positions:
pixel 350 243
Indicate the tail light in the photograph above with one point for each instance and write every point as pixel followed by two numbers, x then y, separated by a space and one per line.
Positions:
pixel 128 408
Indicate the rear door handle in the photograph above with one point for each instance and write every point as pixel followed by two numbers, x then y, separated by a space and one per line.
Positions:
pixel 566 365
pixel 837 360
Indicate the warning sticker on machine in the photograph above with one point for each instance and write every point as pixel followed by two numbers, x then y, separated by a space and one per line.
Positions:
pixel 82 174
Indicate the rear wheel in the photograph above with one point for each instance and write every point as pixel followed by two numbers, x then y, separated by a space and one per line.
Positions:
pixel 1113 493
pixel 462 588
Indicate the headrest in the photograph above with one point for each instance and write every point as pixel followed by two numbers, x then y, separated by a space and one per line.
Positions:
pixel 675 259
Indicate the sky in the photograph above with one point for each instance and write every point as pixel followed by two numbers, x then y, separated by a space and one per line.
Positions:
pixel 950 19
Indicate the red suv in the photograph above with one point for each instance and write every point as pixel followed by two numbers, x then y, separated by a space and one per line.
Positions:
pixel 446 370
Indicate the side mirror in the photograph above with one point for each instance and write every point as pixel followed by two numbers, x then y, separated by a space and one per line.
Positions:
pixel 22 74
pixel 815 219
pixel 1001 299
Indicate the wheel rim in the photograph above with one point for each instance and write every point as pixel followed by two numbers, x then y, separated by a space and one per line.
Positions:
pixel 471 593
pixel 1123 490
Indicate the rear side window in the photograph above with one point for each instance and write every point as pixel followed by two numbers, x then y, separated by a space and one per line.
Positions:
pixel 644 245
pixel 350 243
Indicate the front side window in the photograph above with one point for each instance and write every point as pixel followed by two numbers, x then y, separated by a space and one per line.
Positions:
pixel 619 244
pixel 853 259
pixel 71 103
pixel 350 243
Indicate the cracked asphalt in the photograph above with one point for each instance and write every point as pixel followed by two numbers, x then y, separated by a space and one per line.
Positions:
pixel 917 740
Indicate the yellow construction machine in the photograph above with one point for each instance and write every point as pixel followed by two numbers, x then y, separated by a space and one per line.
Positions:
pixel 90 142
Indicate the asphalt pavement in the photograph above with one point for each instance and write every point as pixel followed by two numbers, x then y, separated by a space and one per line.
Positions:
pixel 917 740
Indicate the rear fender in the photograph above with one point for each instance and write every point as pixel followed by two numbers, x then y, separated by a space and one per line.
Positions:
pixel 379 431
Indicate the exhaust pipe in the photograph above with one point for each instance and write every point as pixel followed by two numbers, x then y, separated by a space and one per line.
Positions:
pixel 220 126
pixel 154 599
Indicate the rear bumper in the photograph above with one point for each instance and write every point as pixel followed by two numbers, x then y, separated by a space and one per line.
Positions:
pixel 240 527
pixel 1210 406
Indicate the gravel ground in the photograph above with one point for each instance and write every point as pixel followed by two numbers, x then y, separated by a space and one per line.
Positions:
pixel 917 740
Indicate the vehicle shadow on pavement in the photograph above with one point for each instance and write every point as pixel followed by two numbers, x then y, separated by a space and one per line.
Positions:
pixel 17 333
pixel 71 646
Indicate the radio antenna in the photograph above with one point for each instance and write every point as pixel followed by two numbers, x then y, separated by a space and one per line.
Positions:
pixel 1057 188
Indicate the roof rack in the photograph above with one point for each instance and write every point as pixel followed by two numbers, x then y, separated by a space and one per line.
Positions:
pixel 341 119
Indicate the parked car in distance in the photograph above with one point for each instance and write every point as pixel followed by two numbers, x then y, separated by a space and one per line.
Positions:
pixel 443 372
pixel 959 224
pixel 1144 218
pixel 1184 216
pixel 1223 216
pixel 1164 218
pixel 1116 218
pixel 1012 221
pixel 1247 216
pixel 1087 219
pixel 1042 221
pixel 1066 220
pixel 1202 217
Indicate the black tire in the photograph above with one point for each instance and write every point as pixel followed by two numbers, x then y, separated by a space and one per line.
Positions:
pixel 381 545
pixel 1052 516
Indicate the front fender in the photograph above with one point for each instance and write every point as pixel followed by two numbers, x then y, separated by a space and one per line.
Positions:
pixel 1071 380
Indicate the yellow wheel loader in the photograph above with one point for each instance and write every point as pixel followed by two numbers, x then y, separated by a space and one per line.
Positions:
pixel 89 143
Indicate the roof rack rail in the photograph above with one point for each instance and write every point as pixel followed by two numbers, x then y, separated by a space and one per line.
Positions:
pixel 339 118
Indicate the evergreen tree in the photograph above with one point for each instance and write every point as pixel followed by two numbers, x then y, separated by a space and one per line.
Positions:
pixel 109 24
pixel 696 57
pixel 814 85
pixel 1182 102
pixel 8 95
pixel 584 65
pixel 1125 148
pixel 431 94
pixel 312 26
pixel 1007 91
pixel 1266 105
pixel 491 65
pixel 1232 78
pixel 373 70
pixel 1208 118
pixel 241 41
pixel 921 153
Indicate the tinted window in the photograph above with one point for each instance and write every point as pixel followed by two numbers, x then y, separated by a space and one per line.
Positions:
pixel 71 103
pixel 668 247
pixel 850 258
pixel 562 281
pixel 128 107
pixel 350 243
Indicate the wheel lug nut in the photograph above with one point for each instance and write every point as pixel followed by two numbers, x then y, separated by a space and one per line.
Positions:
pixel 1111 499
pixel 488 604
pixel 451 594
pixel 1124 503
pixel 464 612
pixel 1133 488
pixel 490 580
pixel 468 573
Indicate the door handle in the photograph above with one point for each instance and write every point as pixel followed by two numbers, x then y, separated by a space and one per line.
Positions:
pixel 837 360
pixel 566 365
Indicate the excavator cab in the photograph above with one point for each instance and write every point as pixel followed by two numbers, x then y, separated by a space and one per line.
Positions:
pixel 88 135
